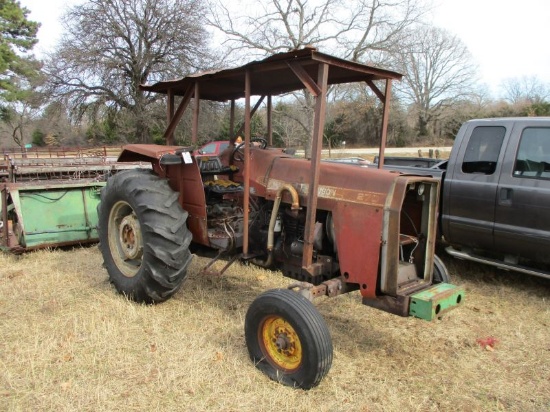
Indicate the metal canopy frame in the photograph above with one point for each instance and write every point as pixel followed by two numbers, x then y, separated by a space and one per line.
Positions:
pixel 278 74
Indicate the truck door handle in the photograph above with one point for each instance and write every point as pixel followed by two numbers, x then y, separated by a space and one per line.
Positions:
pixel 506 195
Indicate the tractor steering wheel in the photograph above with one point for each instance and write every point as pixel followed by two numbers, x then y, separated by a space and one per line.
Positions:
pixel 238 152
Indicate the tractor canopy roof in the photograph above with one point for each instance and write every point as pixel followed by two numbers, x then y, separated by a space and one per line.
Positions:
pixel 278 74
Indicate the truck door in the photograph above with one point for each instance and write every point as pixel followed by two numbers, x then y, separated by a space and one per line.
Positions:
pixel 522 221
pixel 470 188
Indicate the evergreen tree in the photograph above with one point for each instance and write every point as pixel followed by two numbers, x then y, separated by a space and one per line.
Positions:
pixel 17 38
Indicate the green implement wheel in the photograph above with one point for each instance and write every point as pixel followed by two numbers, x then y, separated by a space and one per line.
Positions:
pixel 143 236
pixel 288 339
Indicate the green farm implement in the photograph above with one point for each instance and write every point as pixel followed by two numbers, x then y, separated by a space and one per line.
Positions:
pixel 51 201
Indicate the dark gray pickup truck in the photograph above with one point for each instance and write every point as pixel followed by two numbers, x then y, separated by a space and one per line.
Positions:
pixel 495 199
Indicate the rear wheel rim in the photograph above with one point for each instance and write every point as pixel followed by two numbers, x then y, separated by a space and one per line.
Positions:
pixel 125 239
pixel 281 344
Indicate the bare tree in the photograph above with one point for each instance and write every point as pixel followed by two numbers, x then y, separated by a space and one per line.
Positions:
pixel 18 116
pixel 377 26
pixel 438 71
pixel 526 89
pixel 347 29
pixel 23 108
pixel 290 123
pixel 110 47
pixel 357 30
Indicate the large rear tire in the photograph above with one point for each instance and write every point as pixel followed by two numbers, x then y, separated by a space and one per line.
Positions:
pixel 288 339
pixel 143 236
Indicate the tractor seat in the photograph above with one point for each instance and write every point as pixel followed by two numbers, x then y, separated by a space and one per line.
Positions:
pixel 217 177
pixel 212 165
pixel 222 186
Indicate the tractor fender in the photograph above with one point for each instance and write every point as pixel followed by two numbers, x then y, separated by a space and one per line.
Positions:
pixel 145 152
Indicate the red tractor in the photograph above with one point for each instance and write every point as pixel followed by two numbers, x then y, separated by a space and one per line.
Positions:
pixel 332 227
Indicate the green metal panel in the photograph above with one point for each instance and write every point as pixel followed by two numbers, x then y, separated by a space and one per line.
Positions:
pixel 57 214
pixel 433 302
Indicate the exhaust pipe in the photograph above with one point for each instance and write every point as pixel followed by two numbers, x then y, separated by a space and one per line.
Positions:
pixel 271 232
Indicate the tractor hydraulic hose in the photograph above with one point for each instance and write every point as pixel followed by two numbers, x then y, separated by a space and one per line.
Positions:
pixel 271 232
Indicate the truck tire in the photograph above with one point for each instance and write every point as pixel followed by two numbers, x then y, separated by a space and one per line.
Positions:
pixel 143 236
pixel 288 339
pixel 441 274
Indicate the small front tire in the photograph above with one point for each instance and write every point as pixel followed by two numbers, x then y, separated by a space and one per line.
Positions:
pixel 288 339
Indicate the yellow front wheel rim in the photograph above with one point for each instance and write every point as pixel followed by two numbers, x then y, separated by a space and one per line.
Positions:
pixel 281 343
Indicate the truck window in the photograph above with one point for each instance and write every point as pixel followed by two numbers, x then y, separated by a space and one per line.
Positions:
pixel 483 149
pixel 533 157
pixel 209 149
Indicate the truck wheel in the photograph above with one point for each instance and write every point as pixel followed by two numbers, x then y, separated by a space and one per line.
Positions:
pixel 441 274
pixel 143 236
pixel 288 339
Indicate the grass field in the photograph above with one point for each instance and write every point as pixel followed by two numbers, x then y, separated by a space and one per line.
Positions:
pixel 69 342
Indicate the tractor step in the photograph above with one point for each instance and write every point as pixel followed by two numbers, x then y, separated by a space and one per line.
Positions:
pixel 434 302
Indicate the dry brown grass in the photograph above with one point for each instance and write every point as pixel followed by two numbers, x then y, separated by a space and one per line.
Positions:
pixel 69 342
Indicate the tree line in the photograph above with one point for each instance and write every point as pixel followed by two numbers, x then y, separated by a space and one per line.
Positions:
pixel 86 90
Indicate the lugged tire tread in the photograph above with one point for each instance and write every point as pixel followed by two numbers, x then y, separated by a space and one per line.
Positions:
pixel 166 238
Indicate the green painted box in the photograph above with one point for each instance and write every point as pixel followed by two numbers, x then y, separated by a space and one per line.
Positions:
pixel 435 301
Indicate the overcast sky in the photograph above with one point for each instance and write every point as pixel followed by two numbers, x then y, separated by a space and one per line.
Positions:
pixel 507 39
